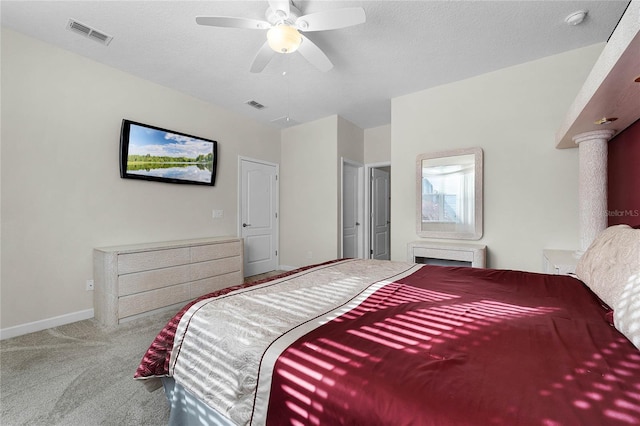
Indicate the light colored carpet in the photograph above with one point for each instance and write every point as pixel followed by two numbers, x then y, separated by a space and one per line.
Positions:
pixel 80 374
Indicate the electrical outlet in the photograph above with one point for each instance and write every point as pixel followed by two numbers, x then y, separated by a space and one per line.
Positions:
pixel 217 214
pixel 89 285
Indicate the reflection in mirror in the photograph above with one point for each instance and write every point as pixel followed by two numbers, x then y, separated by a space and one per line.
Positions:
pixel 449 194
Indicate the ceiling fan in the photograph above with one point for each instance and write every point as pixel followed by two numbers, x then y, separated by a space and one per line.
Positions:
pixel 285 25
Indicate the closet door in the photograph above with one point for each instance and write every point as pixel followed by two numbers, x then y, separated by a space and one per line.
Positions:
pixel 259 216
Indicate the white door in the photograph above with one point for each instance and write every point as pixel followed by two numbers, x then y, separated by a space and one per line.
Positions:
pixel 259 215
pixel 380 215
pixel 351 229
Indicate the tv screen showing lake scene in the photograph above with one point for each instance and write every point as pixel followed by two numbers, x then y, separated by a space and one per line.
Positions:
pixel 158 154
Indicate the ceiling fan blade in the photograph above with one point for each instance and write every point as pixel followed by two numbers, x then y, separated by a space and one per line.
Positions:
pixel 314 55
pixel 331 19
pixel 262 58
pixel 230 22
pixel 282 5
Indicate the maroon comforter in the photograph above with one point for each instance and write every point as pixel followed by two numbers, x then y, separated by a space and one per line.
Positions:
pixel 460 346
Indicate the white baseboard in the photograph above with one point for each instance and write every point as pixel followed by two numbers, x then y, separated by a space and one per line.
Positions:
pixel 286 268
pixel 19 330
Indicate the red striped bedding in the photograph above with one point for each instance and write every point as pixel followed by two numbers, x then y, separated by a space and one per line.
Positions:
pixel 365 342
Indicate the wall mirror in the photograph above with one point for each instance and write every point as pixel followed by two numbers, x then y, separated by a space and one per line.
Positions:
pixel 449 194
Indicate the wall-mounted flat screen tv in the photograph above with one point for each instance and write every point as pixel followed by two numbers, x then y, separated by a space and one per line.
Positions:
pixel 152 153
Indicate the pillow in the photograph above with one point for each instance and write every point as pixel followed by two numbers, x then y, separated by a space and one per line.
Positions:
pixel 611 269
pixel 626 316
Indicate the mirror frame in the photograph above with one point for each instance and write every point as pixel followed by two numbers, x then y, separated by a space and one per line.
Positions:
pixel 435 232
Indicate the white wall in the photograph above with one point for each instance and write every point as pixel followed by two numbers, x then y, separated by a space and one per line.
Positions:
pixel 62 195
pixel 350 141
pixel 530 187
pixel 61 190
pixel 310 205
pixel 377 144
pixel 351 148
pixel 308 201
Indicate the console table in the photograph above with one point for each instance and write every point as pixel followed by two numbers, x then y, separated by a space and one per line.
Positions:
pixel 455 254
pixel 133 280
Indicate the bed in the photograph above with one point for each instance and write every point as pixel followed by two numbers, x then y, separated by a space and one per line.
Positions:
pixel 366 342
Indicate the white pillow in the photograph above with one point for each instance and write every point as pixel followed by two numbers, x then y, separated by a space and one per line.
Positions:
pixel 611 269
pixel 626 316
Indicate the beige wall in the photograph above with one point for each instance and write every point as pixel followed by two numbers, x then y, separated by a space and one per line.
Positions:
pixel 308 202
pixel 377 144
pixel 350 148
pixel 350 141
pixel 530 188
pixel 62 194
pixel 61 190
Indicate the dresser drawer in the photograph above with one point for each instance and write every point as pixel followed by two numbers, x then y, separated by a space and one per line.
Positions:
pixel 150 280
pixel 154 259
pixel 150 300
pixel 138 279
pixel 209 285
pixel 215 251
pixel 212 268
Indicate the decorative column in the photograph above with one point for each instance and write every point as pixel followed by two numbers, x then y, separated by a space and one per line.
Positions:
pixel 592 184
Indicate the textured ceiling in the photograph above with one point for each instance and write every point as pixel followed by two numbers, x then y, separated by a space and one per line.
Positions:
pixel 404 47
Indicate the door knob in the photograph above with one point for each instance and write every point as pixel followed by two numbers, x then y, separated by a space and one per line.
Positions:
pixel 244 225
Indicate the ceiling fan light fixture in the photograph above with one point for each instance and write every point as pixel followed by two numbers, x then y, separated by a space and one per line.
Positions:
pixel 284 38
pixel 576 18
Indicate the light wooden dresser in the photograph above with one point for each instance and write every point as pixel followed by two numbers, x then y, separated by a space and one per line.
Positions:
pixel 138 279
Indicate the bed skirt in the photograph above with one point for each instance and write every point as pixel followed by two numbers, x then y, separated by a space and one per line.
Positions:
pixel 187 410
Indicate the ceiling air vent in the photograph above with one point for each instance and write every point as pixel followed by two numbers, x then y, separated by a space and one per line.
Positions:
pixel 256 105
pixel 89 32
